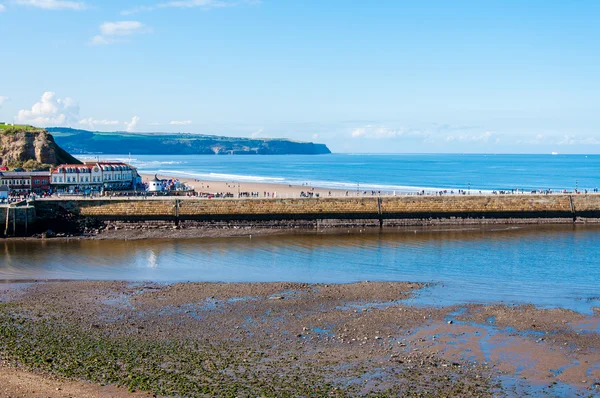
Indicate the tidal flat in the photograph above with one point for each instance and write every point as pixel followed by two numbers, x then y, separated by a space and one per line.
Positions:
pixel 289 339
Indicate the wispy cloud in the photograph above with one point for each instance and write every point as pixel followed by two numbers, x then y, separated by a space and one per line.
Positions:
pixel 539 139
pixel 2 8
pixel 568 139
pixel 112 32
pixel 92 123
pixel 181 122
pixel 53 4
pixel 487 136
pixel 202 4
pixel 3 99
pixel 379 132
pixel 375 132
pixel 436 134
pixel 130 126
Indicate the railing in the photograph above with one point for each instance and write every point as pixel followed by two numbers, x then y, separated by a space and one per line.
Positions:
pixel 336 195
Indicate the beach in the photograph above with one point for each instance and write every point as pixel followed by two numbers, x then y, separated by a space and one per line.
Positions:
pixel 284 339
pixel 264 190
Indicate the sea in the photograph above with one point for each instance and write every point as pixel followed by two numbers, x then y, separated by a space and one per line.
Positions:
pixel 401 173
pixel 548 266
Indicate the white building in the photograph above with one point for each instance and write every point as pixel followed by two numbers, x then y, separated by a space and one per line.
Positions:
pixel 95 176
pixel 156 185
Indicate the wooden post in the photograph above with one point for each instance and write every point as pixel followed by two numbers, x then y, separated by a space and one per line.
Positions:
pixel 7 215
pixel 379 210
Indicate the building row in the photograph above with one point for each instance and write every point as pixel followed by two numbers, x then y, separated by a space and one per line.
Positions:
pixel 74 178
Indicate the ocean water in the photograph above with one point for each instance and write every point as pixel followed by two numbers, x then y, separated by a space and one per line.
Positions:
pixel 549 266
pixel 404 173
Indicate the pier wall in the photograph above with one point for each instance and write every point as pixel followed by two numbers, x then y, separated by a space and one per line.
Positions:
pixel 17 220
pixel 388 210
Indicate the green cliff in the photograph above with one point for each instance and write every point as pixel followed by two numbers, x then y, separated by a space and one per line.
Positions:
pixel 82 141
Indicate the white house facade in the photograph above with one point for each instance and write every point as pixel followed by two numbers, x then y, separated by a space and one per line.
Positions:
pixel 94 177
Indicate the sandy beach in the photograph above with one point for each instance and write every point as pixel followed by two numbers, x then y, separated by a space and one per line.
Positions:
pixel 237 188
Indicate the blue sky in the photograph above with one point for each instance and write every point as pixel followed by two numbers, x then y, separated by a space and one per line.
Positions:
pixel 360 76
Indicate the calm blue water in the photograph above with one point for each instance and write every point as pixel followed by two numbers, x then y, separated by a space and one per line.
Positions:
pixel 545 265
pixel 388 172
pixel 550 266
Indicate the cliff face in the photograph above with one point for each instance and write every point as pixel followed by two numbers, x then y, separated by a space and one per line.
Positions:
pixel 82 141
pixel 31 148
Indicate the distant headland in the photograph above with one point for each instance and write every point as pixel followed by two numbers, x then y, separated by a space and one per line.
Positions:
pixel 83 141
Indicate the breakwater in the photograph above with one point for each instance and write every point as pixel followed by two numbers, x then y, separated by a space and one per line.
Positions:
pixel 375 211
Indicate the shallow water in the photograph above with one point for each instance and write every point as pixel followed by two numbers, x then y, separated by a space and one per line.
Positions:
pixel 550 266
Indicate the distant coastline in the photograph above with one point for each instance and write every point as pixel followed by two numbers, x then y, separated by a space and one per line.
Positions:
pixel 89 142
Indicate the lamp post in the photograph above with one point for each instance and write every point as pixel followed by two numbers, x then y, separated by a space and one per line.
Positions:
pixel 469 185
pixel 576 186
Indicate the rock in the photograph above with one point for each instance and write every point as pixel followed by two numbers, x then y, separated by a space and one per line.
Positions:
pixel 450 322
pixel 31 148
pixel 48 234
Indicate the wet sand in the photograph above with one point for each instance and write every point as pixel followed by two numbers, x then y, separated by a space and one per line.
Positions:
pixel 290 339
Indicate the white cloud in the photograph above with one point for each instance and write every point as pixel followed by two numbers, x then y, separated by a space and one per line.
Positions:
pixel 203 4
pixel 53 4
pixel 488 136
pixel 574 140
pixel 537 140
pixel 376 132
pixel 92 123
pixel 121 28
pixel 111 32
pixel 50 111
pixel 2 8
pixel 437 134
pixel 99 40
pixel 181 122
pixel 130 126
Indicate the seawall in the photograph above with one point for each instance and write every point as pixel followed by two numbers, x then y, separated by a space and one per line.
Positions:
pixel 18 220
pixel 388 211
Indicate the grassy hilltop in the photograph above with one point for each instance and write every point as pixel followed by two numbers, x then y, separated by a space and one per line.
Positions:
pixel 82 141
